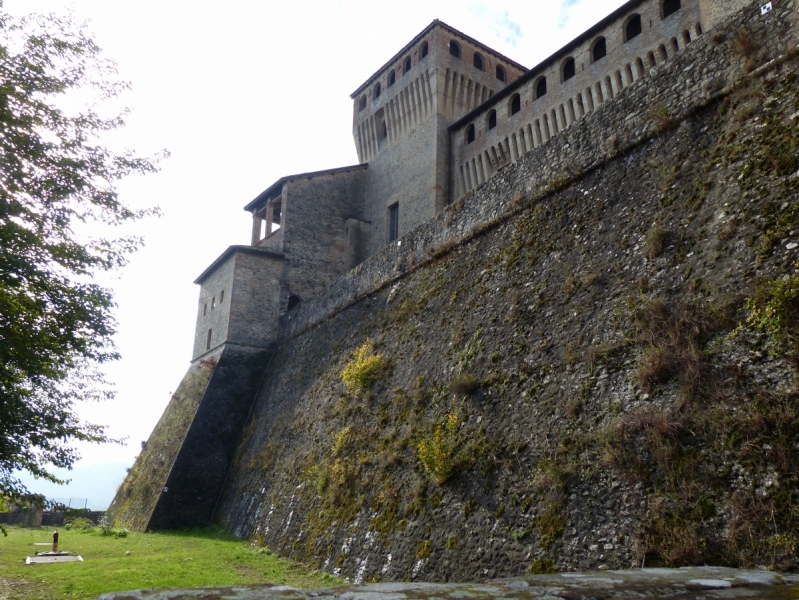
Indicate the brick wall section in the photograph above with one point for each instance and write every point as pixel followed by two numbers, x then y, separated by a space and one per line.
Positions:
pixel 683 83
pixel 316 240
pixel 250 280
pixel 567 101
pixel 198 473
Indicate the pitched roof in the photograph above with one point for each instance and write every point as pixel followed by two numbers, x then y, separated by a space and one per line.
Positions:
pixel 231 250
pixel 270 191
pixel 416 39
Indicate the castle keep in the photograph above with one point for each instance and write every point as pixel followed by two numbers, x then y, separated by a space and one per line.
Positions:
pixel 418 248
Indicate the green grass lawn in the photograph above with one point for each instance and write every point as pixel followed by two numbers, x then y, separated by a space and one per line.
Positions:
pixel 156 560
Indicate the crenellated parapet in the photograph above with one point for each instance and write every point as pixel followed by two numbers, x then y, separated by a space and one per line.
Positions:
pixel 570 85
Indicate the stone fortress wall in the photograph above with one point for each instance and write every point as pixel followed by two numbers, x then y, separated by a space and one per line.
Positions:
pixel 293 278
pixel 611 56
pixel 687 82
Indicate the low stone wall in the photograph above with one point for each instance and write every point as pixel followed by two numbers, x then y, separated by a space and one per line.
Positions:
pixel 706 71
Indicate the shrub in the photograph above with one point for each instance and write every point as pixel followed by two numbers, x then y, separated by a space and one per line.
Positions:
pixel 774 310
pixel 363 370
pixel 438 452
pixel 465 385
pixel 654 242
pixel 543 566
pixel 424 549
pixel 81 523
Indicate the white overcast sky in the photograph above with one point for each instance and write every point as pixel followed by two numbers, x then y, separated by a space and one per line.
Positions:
pixel 241 93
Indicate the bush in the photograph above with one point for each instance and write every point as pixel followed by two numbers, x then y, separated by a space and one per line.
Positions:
pixel 363 370
pixel 81 523
pixel 465 385
pixel 438 453
pixel 774 310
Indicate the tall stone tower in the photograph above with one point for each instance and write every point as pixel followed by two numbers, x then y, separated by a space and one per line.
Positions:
pixel 400 120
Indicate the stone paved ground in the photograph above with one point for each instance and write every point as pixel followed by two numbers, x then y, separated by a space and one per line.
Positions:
pixel 693 582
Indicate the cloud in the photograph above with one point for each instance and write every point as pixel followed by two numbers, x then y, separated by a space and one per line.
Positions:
pixel 506 29
pixel 565 12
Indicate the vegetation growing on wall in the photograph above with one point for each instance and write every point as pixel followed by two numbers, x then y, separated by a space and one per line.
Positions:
pixel 618 358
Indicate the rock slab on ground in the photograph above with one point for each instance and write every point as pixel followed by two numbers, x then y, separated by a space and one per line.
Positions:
pixel 693 582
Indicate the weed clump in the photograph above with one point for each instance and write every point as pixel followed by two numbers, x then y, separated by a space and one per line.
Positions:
pixel 464 385
pixel 654 242
pixel 437 452
pixel 774 310
pixel 543 566
pixel 363 370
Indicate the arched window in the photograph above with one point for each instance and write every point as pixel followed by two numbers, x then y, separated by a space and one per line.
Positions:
pixel 515 104
pixel 425 49
pixel 383 130
pixel 492 119
pixel 478 62
pixel 675 47
pixel 392 78
pixel 470 134
pixel 362 103
pixel 540 87
pixel 652 62
pixel 455 49
pixel 664 56
pixel 686 37
pixel 670 7
pixel 407 66
pixel 500 73
pixel 378 90
pixel 599 49
pixel 569 70
pixel 633 28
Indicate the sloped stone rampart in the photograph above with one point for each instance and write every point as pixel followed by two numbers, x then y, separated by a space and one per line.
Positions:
pixel 575 385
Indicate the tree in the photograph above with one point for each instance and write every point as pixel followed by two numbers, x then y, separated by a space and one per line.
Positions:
pixel 57 181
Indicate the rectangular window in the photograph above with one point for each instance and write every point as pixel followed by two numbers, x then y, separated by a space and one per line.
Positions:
pixel 393 222
pixel 221 296
pixel 205 309
pixel 208 341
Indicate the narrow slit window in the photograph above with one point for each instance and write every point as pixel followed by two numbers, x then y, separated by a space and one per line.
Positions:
pixel 205 309
pixel 213 303
pixel 208 340
pixel 221 296
pixel 393 222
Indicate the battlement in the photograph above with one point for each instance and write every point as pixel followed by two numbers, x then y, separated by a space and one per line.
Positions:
pixel 568 86
pixel 441 71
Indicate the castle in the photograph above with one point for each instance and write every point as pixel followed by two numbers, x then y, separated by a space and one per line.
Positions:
pixel 443 118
